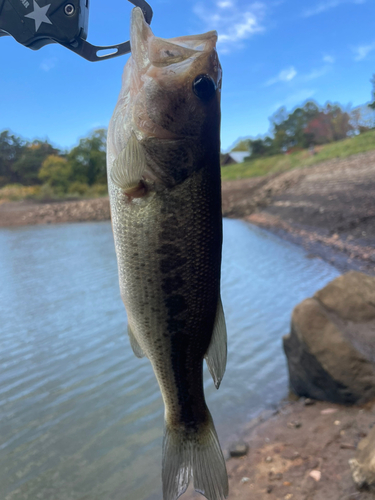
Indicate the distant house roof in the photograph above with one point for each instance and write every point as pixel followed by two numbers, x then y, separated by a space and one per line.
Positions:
pixel 239 156
pixel 234 157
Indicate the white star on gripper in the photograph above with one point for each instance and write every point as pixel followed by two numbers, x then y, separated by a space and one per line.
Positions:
pixel 39 15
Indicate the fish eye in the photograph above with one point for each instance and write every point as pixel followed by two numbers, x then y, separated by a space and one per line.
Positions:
pixel 204 87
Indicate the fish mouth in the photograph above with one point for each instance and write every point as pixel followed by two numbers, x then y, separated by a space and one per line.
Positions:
pixel 179 53
pixel 160 65
pixel 163 68
pixel 146 48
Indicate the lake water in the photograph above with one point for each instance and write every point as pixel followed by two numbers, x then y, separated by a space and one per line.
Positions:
pixel 81 418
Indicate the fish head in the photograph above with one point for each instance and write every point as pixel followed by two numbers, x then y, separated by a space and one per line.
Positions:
pixel 169 103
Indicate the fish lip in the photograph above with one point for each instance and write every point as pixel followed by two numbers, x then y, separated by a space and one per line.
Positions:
pixel 169 136
pixel 173 137
pixel 142 134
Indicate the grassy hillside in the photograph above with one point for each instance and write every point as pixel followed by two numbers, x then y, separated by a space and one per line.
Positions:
pixel 281 163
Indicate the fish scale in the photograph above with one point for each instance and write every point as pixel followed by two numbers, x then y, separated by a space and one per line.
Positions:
pixel 190 260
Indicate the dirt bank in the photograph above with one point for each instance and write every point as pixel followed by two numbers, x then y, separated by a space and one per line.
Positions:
pixel 300 439
pixel 24 213
pixel 328 208
pixel 300 452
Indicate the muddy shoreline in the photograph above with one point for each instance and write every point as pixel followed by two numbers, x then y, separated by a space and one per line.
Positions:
pixel 300 452
pixel 328 208
pixel 26 213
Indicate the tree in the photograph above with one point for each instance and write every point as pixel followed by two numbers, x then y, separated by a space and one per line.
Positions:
pixel 29 163
pixel 56 172
pixel 88 159
pixel 330 124
pixel 288 130
pixel 372 105
pixel 242 145
pixel 319 130
pixel 261 147
pixel 279 117
pixel 340 122
pixel 362 119
pixel 11 148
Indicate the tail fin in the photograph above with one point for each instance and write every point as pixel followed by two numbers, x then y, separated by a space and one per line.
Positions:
pixel 197 454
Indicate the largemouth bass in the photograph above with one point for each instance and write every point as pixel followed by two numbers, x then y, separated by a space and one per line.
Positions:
pixel 164 186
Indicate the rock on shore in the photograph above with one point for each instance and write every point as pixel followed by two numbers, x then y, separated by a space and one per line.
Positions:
pixel 331 347
pixel 363 465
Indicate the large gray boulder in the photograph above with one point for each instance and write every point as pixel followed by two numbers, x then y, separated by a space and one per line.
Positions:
pixel 331 347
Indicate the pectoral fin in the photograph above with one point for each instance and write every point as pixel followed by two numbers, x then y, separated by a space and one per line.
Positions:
pixel 216 355
pixel 137 349
pixel 129 167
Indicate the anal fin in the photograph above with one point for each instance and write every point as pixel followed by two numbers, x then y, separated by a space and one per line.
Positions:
pixel 137 349
pixel 216 355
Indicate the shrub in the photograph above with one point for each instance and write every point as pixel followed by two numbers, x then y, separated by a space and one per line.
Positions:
pixel 97 190
pixel 78 188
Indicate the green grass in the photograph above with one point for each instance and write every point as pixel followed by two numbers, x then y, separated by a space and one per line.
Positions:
pixel 281 163
pixel 18 192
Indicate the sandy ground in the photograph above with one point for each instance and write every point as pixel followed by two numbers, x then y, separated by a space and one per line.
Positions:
pixel 25 213
pixel 301 453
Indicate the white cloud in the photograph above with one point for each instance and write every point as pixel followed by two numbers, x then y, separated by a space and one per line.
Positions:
pixel 328 5
pixel 328 59
pixel 315 73
pixel 235 25
pixel 295 99
pixel 48 64
pixel 363 51
pixel 321 7
pixel 286 75
pixel 225 4
pixel 289 74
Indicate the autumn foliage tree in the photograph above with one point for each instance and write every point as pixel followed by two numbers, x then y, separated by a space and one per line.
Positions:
pixel 306 125
pixel 289 129
pixel 330 124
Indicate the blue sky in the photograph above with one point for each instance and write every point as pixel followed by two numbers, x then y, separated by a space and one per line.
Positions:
pixel 273 53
